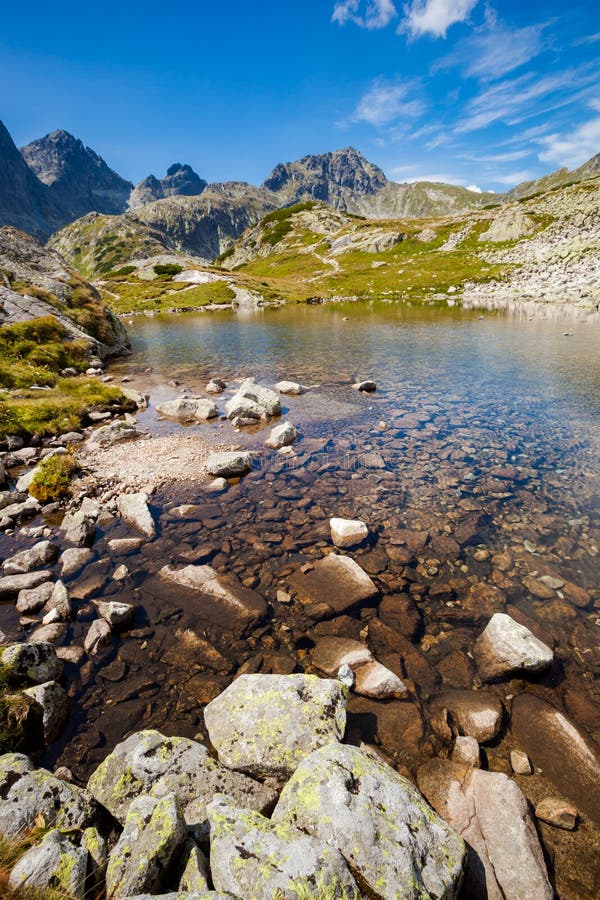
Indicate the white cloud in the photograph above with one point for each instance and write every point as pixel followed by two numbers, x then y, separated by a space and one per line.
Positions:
pixel 511 156
pixel 513 178
pixel 572 149
pixel 494 49
pixel 408 175
pixel 435 16
pixel 376 14
pixel 475 188
pixel 588 39
pixel 386 102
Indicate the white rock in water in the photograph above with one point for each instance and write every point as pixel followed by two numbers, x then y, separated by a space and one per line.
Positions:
pixel 505 647
pixel 348 532
pixel 229 464
pixel 375 680
pixel 135 513
pixel 282 435
pixel 346 675
pixel 252 403
pixel 290 387
pixel 188 409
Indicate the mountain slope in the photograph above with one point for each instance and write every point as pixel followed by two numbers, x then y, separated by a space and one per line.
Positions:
pixel 180 181
pixel 77 178
pixel 24 201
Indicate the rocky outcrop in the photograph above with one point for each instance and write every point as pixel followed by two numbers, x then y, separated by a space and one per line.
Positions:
pixel 180 181
pixel 266 724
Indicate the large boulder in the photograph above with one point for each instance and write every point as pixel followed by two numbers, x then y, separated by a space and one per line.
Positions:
pixel 188 409
pixel 505 648
pixel 37 662
pixel 252 403
pixel 224 600
pixel 134 511
pixel 113 433
pixel 26 794
pixel 380 823
pixel 229 463
pixel 54 864
pixel 266 724
pixel 253 857
pixel 565 753
pixel 53 702
pixel 149 763
pixel 335 580
pixel 488 810
pixel 153 832
pixel 41 554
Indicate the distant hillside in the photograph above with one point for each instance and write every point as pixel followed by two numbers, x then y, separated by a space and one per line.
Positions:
pixel 560 178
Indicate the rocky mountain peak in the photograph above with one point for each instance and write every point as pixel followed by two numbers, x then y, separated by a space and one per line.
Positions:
pixel 180 181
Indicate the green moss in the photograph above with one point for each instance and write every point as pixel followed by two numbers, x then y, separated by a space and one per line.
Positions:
pixel 53 477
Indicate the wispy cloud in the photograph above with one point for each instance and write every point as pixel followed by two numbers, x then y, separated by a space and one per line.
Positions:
pixel 511 156
pixel 513 178
pixel 435 17
pixel 574 148
pixel 494 49
pixel 387 102
pixel 370 14
pixel 588 39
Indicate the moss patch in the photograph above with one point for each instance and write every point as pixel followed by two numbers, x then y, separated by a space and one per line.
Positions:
pixel 53 477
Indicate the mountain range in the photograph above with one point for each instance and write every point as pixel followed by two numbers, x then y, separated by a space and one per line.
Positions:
pixel 56 180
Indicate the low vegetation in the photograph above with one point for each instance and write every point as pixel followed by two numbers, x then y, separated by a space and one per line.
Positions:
pixel 34 352
pixel 53 477
pixel 135 295
pixel 10 854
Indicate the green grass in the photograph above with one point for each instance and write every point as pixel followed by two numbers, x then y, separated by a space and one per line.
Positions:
pixel 56 411
pixel 53 477
pixel 33 352
pixel 163 294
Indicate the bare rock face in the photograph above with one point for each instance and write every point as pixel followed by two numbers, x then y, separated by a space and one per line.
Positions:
pixel 505 859
pixel 180 181
pixel 265 724
pixel 379 822
pixel 567 755
pixel 335 580
pixel 505 647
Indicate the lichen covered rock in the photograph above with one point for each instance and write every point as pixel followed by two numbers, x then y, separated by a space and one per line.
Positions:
pixel 36 661
pixel 53 863
pixel 266 724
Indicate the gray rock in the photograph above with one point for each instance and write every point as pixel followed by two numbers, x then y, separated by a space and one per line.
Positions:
pixel 27 793
pixel 335 580
pixel 32 600
pixel 26 480
pixel 25 510
pixel 332 652
pixel 375 680
pixel 466 751
pixel 113 433
pixel 118 615
pixel 194 877
pixel 476 714
pixel 54 704
pixel 215 386
pixel 121 546
pixel 79 528
pixel 54 633
pixel 566 754
pixel 253 857
pixel 36 661
pixel 55 863
pixel 59 601
pixel 229 463
pixel 348 532
pixel 290 387
pixel 266 724
pixel 378 821
pixel 252 403
pixel 153 832
pixel 223 597
pixel 505 647
pixel 99 636
pixel 188 409
pixel 519 762
pixel 41 554
pixel 282 436
pixel 134 511
pixel 73 560
pixel 149 763
pixel 94 843
pixel 10 585
pixel 489 811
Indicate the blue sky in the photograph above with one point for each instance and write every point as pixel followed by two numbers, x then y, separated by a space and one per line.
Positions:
pixel 472 92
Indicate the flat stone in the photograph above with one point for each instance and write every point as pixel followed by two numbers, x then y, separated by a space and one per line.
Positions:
pixel 11 585
pixel 41 554
pixel 348 532
pixel 150 763
pixel 375 680
pixel 122 546
pixel 290 387
pixel 114 433
pixel 476 714
pixel 335 580
pixel 251 856
pixel 188 409
pixel 505 647
pixel 565 753
pixel 519 762
pixel 73 560
pixel 331 652
pixel 389 836
pixel 557 812
pixel 224 599
pixel 133 509
pixel 32 600
pixel 229 464
pixel 488 810
pixel 266 724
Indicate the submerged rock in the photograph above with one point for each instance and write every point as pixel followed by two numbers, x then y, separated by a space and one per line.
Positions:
pixel 335 580
pixel 505 647
pixel 476 714
pixel 149 763
pixel 153 832
pixel 251 856
pixel 379 822
pixel 53 864
pixel 189 409
pixel 488 810
pixel 266 724
pixel 134 511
